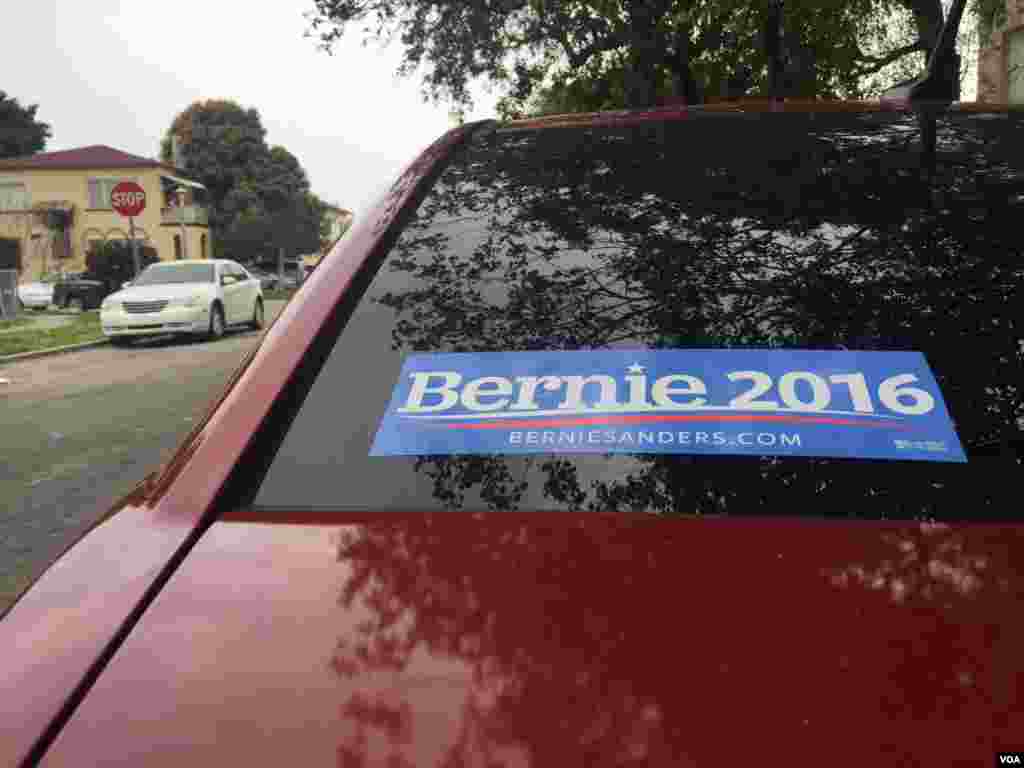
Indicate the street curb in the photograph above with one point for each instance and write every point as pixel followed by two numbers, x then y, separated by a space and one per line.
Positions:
pixel 87 345
pixel 52 351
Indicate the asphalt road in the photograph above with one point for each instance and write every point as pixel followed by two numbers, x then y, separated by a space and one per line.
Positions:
pixel 80 430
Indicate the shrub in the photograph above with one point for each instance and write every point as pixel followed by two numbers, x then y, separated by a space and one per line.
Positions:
pixel 10 253
pixel 111 262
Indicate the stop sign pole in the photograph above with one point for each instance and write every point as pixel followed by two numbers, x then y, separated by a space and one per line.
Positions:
pixel 129 199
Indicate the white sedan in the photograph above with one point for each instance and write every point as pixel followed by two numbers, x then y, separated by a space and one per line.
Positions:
pixel 194 297
pixel 35 295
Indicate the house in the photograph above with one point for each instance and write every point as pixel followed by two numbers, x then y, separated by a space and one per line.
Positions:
pixel 56 206
pixel 338 220
pixel 1001 54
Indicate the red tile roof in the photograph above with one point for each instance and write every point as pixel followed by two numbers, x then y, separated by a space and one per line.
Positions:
pixel 96 156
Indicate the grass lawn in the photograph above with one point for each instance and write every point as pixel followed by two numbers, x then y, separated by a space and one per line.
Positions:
pixel 16 323
pixel 84 327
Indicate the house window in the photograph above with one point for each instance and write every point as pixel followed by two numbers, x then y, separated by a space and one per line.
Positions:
pixel 177 247
pixel 202 247
pixel 100 189
pixel 13 196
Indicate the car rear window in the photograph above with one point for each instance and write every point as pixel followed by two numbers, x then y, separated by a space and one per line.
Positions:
pixel 780 232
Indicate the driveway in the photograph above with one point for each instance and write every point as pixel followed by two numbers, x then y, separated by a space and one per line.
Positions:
pixel 78 431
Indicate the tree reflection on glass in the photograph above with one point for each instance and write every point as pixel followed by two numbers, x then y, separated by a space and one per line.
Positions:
pixel 610 640
pixel 824 231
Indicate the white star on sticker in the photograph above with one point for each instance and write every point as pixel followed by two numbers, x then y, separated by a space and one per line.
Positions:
pixel 636 368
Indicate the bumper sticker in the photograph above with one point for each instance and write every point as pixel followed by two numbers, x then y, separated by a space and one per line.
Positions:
pixel 776 402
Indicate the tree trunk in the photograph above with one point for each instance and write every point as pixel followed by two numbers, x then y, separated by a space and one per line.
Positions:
pixel 928 20
pixel 773 47
pixel 685 89
pixel 645 53
pixel 801 72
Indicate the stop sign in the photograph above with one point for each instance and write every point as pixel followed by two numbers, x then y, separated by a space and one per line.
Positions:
pixel 128 198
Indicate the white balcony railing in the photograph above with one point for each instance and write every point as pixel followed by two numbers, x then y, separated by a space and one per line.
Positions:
pixel 190 214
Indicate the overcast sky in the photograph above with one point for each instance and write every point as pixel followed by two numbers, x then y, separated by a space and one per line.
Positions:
pixel 117 72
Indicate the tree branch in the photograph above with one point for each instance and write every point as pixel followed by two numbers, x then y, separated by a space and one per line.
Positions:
pixel 579 58
pixel 880 62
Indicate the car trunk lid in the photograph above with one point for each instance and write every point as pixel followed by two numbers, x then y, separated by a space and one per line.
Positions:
pixel 568 639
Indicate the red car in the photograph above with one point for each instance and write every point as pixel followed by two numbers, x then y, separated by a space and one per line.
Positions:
pixel 424 526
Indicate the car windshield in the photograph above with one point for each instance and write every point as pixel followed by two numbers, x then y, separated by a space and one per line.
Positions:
pixel 163 274
pixel 557 249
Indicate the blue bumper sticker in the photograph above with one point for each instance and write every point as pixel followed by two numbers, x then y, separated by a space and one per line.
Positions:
pixel 780 402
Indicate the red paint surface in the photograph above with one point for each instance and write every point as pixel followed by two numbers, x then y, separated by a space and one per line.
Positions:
pixel 57 630
pixel 569 640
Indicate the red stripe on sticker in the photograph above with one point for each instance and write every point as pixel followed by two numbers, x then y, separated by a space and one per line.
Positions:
pixel 645 419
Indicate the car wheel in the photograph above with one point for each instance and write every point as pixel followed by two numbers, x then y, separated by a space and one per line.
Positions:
pixel 216 322
pixel 257 316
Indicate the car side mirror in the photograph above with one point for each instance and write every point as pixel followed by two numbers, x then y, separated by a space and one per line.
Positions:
pixel 228 280
pixel 126 283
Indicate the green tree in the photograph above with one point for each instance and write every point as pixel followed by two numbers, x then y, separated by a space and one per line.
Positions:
pixel 857 55
pixel 220 142
pixel 20 132
pixel 279 178
pixel 259 195
pixel 634 53
pixel 298 226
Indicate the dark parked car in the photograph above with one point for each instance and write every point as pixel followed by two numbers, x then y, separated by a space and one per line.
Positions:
pixel 81 290
pixel 293 273
pixel 268 280
pixel 107 272
pixel 667 438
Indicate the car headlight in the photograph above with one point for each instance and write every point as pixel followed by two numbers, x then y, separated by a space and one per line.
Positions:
pixel 110 304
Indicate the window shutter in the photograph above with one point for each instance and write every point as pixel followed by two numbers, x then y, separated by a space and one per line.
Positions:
pixel 106 187
pixel 94 197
